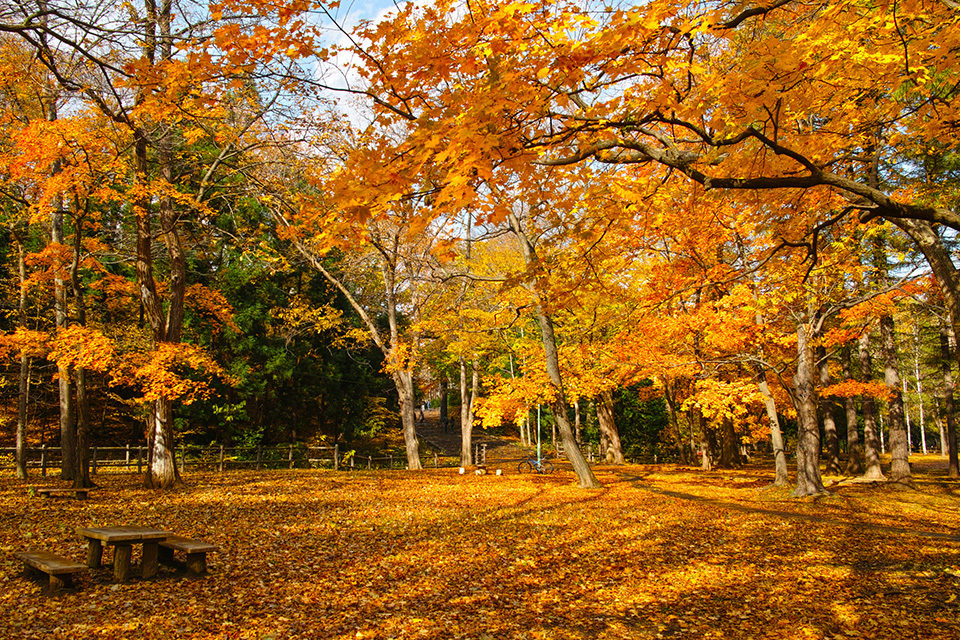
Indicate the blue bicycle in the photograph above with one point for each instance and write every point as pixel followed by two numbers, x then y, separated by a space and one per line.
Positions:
pixel 533 465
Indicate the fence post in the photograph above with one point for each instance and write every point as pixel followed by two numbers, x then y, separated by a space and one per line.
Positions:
pixel 220 463
pixel 483 450
pixel 351 461
pixel 126 459
pixel 390 456
pixel 93 462
pixel 436 460
pixel 369 462
pixel 290 456
pixel 43 460
pixel 336 452
pixel 259 452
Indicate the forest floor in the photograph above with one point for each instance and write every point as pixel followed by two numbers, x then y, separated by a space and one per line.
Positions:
pixel 658 552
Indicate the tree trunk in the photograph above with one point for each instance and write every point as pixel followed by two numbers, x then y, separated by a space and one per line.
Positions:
pixel 24 370
pixel 828 416
pixel 81 478
pixel 781 477
pixel 809 482
pixel 404 383
pixel 729 449
pixel 444 385
pixel 67 418
pixel 576 421
pixel 161 470
pixel 899 449
pixel 466 418
pixel 674 417
pixel 946 357
pixel 854 450
pixel 871 439
pixel 608 428
pixel 558 403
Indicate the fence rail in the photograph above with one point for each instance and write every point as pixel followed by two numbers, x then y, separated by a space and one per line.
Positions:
pixel 220 458
pixel 130 458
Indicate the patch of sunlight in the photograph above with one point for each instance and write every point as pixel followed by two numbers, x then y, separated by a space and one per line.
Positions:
pixel 846 614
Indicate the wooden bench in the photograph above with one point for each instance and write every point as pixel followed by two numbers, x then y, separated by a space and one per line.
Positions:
pixel 60 569
pixel 196 551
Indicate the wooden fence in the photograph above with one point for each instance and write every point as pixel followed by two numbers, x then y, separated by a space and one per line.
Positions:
pixel 220 458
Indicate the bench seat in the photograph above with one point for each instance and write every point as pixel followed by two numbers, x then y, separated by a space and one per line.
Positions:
pixel 196 551
pixel 61 570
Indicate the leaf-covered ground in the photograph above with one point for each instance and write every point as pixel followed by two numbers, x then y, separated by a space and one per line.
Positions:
pixel 659 552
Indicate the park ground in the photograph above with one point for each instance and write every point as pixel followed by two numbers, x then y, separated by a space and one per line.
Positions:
pixel 658 552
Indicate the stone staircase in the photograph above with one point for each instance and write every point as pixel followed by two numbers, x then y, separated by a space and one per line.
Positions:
pixel 499 449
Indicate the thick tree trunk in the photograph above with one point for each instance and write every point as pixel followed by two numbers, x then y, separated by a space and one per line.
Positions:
pixel 161 469
pixel 809 481
pixel 781 477
pixel 939 258
pixel 608 428
pixel 558 406
pixel 828 417
pixel 854 449
pixel 946 357
pixel 899 449
pixel 729 447
pixel 871 436
pixel 466 418
pixel 404 383
pixel 81 479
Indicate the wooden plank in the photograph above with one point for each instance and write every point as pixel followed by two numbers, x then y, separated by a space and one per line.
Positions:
pixel 49 562
pixel 114 535
pixel 188 545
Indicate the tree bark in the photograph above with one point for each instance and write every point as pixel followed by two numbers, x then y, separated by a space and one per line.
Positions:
pixel 558 404
pixel 729 451
pixel 854 449
pixel 444 385
pixel 67 410
pixel 403 379
pixel 946 357
pixel 81 478
pixel 466 418
pixel 828 416
pixel 674 417
pixel 871 437
pixel 24 368
pixel 781 477
pixel 899 449
pixel 161 469
pixel 809 481
pixel 608 428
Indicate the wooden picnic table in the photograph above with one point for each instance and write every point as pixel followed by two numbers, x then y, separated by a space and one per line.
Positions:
pixel 122 539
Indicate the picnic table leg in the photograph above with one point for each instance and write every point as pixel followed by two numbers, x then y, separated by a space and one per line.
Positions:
pixel 149 563
pixel 197 563
pixel 121 561
pixel 94 553
pixel 58 582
